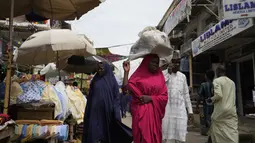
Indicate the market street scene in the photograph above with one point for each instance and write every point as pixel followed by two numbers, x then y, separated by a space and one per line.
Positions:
pixel 134 71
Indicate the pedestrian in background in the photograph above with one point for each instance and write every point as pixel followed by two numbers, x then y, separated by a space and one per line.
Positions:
pixel 206 91
pixel 224 123
pixel 149 98
pixel 176 117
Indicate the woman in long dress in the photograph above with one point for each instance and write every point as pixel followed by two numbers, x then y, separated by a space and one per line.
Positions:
pixel 149 98
pixel 103 107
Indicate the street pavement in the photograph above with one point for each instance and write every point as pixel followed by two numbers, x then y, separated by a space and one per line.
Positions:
pixel 192 137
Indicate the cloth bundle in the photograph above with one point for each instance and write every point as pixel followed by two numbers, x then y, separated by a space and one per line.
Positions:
pixel 152 41
pixel 28 132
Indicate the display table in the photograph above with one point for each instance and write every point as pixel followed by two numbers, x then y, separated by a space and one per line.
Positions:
pixel 30 112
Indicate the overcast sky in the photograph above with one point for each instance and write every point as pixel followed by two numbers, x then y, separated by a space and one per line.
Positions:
pixel 117 22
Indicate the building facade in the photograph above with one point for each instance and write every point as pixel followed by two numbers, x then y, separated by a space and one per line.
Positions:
pixel 213 32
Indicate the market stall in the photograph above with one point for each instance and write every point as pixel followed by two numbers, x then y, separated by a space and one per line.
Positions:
pixel 32 96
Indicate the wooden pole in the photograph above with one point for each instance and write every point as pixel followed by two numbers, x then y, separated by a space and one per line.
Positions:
pixel 81 80
pixel 9 66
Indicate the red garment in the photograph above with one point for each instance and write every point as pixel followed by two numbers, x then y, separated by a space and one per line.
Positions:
pixel 42 77
pixel 4 118
pixel 147 119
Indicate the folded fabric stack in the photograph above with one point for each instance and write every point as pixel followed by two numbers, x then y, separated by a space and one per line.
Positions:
pixel 27 130
pixel 30 90
pixel 67 100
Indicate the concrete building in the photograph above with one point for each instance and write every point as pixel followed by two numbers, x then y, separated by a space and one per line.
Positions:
pixel 206 35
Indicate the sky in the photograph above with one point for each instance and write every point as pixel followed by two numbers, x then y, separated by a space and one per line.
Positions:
pixel 117 22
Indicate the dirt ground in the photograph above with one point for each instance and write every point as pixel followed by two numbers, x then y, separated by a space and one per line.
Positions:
pixel 192 137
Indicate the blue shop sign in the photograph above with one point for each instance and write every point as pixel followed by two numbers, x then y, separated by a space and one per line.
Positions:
pixel 235 9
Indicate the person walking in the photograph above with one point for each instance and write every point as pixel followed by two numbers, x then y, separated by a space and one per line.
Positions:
pixel 149 98
pixel 176 118
pixel 224 122
pixel 103 107
pixel 206 91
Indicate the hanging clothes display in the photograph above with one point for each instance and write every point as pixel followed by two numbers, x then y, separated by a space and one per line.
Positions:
pixel 184 64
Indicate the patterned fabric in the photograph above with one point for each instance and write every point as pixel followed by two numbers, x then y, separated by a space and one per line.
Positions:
pixel 175 120
pixel 31 93
pixel 2 90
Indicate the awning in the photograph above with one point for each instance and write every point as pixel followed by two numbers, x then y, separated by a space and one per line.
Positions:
pixel 53 9
pixel 226 33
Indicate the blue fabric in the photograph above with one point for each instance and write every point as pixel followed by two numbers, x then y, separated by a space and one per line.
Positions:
pixel 184 64
pixel 41 85
pixel 34 131
pixel 63 136
pixel 124 104
pixel 103 108
pixel 31 93
pixel 60 97
pixel 2 90
pixel 23 132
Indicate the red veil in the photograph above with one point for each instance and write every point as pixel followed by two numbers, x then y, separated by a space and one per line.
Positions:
pixel 147 119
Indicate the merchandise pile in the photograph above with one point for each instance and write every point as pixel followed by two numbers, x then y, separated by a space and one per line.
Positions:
pixel 30 90
pixel 27 130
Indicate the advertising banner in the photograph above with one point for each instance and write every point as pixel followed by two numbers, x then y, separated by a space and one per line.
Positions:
pixel 180 12
pixel 222 31
pixel 235 9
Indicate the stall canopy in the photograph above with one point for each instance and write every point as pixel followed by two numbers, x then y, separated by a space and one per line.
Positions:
pixel 81 64
pixel 53 9
pixel 50 46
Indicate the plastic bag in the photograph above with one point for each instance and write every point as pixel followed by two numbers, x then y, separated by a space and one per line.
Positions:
pixel 152 41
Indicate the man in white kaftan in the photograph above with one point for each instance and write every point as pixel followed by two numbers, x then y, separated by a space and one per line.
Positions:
pixel 224 122
pixel 176 119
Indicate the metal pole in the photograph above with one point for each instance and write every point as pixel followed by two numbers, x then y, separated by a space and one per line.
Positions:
pixel 190 73
pixel 9 66
pixel 59 75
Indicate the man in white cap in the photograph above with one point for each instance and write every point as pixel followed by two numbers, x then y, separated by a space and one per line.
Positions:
pixel 176 118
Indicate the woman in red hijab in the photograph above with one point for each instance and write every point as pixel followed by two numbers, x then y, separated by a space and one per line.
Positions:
pixel 149 98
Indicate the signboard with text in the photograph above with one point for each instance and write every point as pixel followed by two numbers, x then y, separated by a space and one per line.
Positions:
pixel 235 9
pixel 222 31
pixel 180 12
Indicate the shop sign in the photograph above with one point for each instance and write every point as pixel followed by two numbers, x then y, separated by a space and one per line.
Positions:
pixel 234 9
pixel 180 12
pixel 222 31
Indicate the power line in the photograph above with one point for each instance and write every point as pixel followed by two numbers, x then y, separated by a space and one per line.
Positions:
pixel 115 46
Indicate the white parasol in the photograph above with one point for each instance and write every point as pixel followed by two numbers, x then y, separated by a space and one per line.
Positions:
pixel 52 45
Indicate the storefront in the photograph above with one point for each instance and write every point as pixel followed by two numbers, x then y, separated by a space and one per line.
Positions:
pixel 231 42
